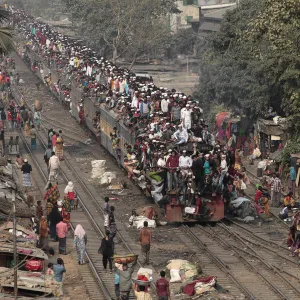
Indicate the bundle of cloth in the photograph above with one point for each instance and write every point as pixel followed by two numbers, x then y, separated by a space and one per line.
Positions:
pixel 243 208
pixel 181 270
pixel 200 286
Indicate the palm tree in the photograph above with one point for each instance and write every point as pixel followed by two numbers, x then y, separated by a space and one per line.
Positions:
pixel 6 33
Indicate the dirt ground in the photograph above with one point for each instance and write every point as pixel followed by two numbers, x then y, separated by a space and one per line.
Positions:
pixel 73 286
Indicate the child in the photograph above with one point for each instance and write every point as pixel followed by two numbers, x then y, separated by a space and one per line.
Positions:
pixel 50 272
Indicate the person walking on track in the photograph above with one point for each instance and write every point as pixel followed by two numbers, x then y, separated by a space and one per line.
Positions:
pixel 53 166
pixel 26 169
pixel 106 249
pixel 145 237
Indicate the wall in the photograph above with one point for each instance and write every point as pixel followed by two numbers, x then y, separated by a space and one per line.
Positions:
pixel 178 21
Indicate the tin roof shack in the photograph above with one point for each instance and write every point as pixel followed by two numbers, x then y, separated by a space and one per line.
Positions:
pixel 31 284
pixel 22 232
pixel 26 249
pixel 271 135
pixel 31 263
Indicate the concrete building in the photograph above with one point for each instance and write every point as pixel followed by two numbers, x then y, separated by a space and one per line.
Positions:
pixel 192 12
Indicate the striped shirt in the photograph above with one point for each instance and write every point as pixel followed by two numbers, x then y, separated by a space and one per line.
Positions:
pixel 276 185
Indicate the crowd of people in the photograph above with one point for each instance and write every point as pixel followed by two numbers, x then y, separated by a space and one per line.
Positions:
pixel 175 152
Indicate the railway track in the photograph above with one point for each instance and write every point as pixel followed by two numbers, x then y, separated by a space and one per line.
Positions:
pixel 212 264
pixel 276 255
pixel 250 272
pixel 90 215
pixel 226 277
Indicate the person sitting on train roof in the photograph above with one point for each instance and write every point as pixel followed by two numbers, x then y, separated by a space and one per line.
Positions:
pixel 181 135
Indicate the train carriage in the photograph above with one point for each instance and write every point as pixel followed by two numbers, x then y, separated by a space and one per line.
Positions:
pixel 213 210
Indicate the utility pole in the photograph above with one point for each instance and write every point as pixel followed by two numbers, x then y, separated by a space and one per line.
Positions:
pixel 15 245
pixel 187 66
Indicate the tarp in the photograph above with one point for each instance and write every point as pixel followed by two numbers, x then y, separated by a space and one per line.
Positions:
pixel 220 117
pixel 237 202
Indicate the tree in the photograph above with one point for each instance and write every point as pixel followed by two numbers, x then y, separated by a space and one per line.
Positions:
pixel 124 28
pixel 6 40
pixel 253 62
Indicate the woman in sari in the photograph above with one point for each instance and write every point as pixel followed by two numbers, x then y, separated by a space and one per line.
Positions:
pixel 52 193
pixel 27 129
pixel 66 211
pixel 33 137
pixel 69 192
pixel 44 234
pixel 59 151
pixel 80 240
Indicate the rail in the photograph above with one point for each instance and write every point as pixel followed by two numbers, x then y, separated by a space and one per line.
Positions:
pixel 252 252
pixel 87 211
pixel 263 262
pixel 91 264
pixel 219 262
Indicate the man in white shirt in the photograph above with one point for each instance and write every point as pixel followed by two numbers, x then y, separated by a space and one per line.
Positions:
pixel 54 165
pixel 122 85
pixel 161 163
pixel 186 116
pixel 185 163
pixel 135 100
pixel 181 135
pixel 151 135
pixel 224 169
pixel 164 105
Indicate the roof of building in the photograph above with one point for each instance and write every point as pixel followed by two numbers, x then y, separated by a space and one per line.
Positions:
pixel 9 225
pixel 27 280
pixel 8 247
pixel 217 13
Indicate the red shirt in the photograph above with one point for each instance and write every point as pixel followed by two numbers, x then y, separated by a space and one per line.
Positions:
pixel 258 195
pixel 162 287
pixel 173 162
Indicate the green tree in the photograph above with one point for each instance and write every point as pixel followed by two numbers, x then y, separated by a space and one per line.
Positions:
pixel 123 28
pixel 253 62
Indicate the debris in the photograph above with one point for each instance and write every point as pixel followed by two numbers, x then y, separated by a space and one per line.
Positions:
pixel 88 142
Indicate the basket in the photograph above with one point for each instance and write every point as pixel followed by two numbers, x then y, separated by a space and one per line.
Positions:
pixel 125 259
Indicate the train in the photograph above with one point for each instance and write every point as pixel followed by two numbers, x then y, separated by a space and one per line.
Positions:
pixel 174 211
